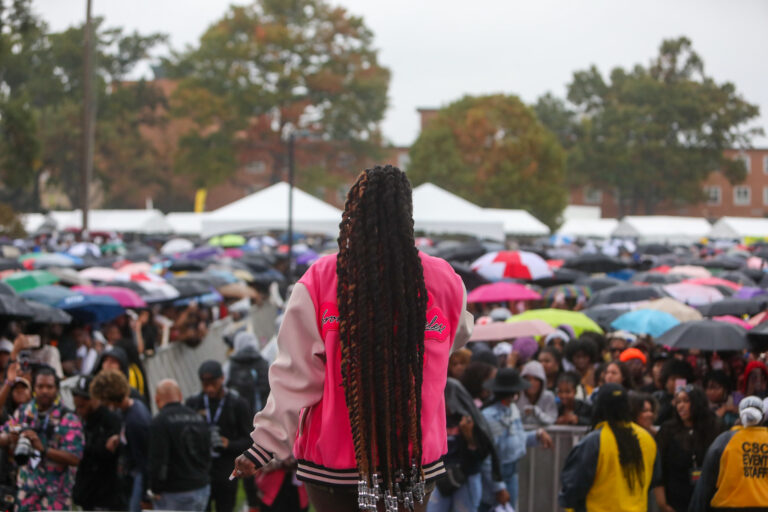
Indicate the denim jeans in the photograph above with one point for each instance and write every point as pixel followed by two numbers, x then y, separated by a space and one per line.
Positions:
pixel 465 499
pixel 193 501
pixel 137 490
pixel 509 476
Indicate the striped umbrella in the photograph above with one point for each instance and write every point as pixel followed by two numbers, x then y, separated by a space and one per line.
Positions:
pixel 568 291
pixel 499 265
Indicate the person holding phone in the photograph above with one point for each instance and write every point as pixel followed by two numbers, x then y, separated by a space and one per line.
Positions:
pixel 32 350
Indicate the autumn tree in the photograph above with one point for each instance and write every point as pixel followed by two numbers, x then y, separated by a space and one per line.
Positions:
pixel 653 134
pixel 274 67
pixel 493 151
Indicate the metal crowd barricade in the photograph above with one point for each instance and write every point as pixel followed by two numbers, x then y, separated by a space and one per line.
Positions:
pixel 539 471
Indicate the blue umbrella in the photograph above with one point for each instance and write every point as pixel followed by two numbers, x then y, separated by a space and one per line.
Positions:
pixel 50 295
pixel 88 309
pixel 645 321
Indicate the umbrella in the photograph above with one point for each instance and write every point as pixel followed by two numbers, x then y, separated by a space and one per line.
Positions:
pixel 735 307
pixel 203 253
pixel 9 264
pixel 207 299
pixel 498 331
pixel 234 253
pixel 568 291
pixel 42 314
pixel 714 281
pixel 6 289
pixel 693 294
pixel 13 306
pixel 758 337
pixel 190 287
pixel 150 291
pixel 555 317
pixel 626 293
pixel 690 271
pixel 307 257
pixel 56 260
pixel 268 276
pixel 599 283
pixel 605 314
pixel 749 292
pixel 738 278
pixel 177 245
pixel 91 309
pixel 656 278
pixel 460 251
pixel 213 278
pixel 9 251
pixel 675 308
pixel 724 262
pixel 733 320
pixel 655 249
pixel 103 274
pixel 227 241
pixel 561 276
pixel 511 265
pixel 705 335
pixel 140 267
pixel 594 263
pixel 645 321
pixel 125 297
pixel 237 291
pixel 68 276
pixel 84 249
pixel 471 278
pixel 502 292
pixel 23 281
pixel 139 253
pixel 50 295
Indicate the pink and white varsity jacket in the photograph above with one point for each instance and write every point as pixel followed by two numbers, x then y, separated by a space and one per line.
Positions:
pixel 306 413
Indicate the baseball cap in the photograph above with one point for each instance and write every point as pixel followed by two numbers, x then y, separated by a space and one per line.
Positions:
pixel 82 386
pixel 6 346
pixel 21 380
pixel 210 370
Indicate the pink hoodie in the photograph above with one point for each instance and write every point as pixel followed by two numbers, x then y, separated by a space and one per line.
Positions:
pixel 306 413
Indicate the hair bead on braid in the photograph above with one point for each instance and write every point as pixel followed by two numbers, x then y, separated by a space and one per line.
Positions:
pixel 382 302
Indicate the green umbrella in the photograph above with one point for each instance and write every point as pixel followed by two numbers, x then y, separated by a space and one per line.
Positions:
pixel 227 241
pixel 554 317
pixel 31 256
pixel 23 281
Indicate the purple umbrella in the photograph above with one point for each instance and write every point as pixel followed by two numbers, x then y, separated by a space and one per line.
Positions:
pixel 748 292
pixel 306 257
pixel 203 253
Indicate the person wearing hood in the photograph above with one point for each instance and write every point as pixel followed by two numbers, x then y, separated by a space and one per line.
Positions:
pixel 537 404
pixel 754 381
pixel 115 358
pixel 247 372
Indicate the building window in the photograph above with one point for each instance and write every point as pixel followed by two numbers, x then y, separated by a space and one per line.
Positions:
pixel 765 164
pixel 593 195
pixel 341 193
pixel 404 160
pixel 747 161
pixel 713 194
pixel 765 196
pixel 255 167
pixel 742 195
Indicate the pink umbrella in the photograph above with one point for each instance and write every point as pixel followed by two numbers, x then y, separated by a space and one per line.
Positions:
pixel 693 294
pixel 730 319
pixel 511 264
pixel 141 267
pixel 497 331
pixel 502 292
pixel 758 318
pixel 103 274
pixel 714 281
pixel 691 271
pixel 756 263
pixel 234 253
pixel 124 296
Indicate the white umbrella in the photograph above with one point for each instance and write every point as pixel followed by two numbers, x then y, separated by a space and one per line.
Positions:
pixel 176 245
pixel 84 249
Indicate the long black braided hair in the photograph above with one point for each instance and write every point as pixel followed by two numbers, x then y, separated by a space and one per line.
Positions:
pixel 382 302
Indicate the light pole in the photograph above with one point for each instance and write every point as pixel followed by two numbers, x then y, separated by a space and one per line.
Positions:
pixel 88 132
pixel 291 140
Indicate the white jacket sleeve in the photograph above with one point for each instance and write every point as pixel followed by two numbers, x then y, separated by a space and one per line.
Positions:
pixel 296 380
pixel 466 324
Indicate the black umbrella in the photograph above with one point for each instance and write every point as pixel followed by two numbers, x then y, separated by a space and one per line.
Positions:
pixel 594 263
pixel 6 290
pixel 755 274
pixel 738 277
pixel 560 276
pixel 758 337
pixel 259 262
pixel 735 307
pixel 467 251
pixel 13 306
pixel 724 262
pixel 10 264
pixel 599 283
pixel 705 335
pixel 190 287
pixel 471 278
pixel 43 314
pixel 655 249
pixel 188 266
pixel 213 280
pixel 626 293
pixel 656 278
pixel 604 315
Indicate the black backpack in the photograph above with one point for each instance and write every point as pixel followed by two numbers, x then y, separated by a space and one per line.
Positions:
pixel 251 382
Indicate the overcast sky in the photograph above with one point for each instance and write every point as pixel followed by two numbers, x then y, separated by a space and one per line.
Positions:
pixel 439 50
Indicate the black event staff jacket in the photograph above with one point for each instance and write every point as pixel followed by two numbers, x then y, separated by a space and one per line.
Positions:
pixel 179 450
pixel 96 483
pixel 735 473
pixel 233 417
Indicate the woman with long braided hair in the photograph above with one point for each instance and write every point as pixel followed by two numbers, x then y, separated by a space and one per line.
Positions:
pixel 357 386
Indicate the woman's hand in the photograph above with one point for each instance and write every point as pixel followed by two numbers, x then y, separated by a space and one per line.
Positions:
pixel 244 468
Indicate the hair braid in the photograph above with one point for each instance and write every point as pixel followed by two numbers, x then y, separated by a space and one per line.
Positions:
pixel 382 304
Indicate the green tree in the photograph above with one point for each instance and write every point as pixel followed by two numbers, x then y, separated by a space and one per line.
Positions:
pixel 492 150
pixel 272 67
pixel 653 134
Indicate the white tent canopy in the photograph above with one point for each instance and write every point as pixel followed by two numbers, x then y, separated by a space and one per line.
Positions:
pixel 437 211
pixel 186 223
pixel 663 229
pixel 573 211
pixel 268 209
pixel 588 228
pixel 739 227
pixel 120 221
pixel 518 222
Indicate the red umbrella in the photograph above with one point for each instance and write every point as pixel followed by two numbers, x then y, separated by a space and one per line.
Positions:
pixel 714 281
pixel 512 264
pixel 502 292
pixel 733 320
